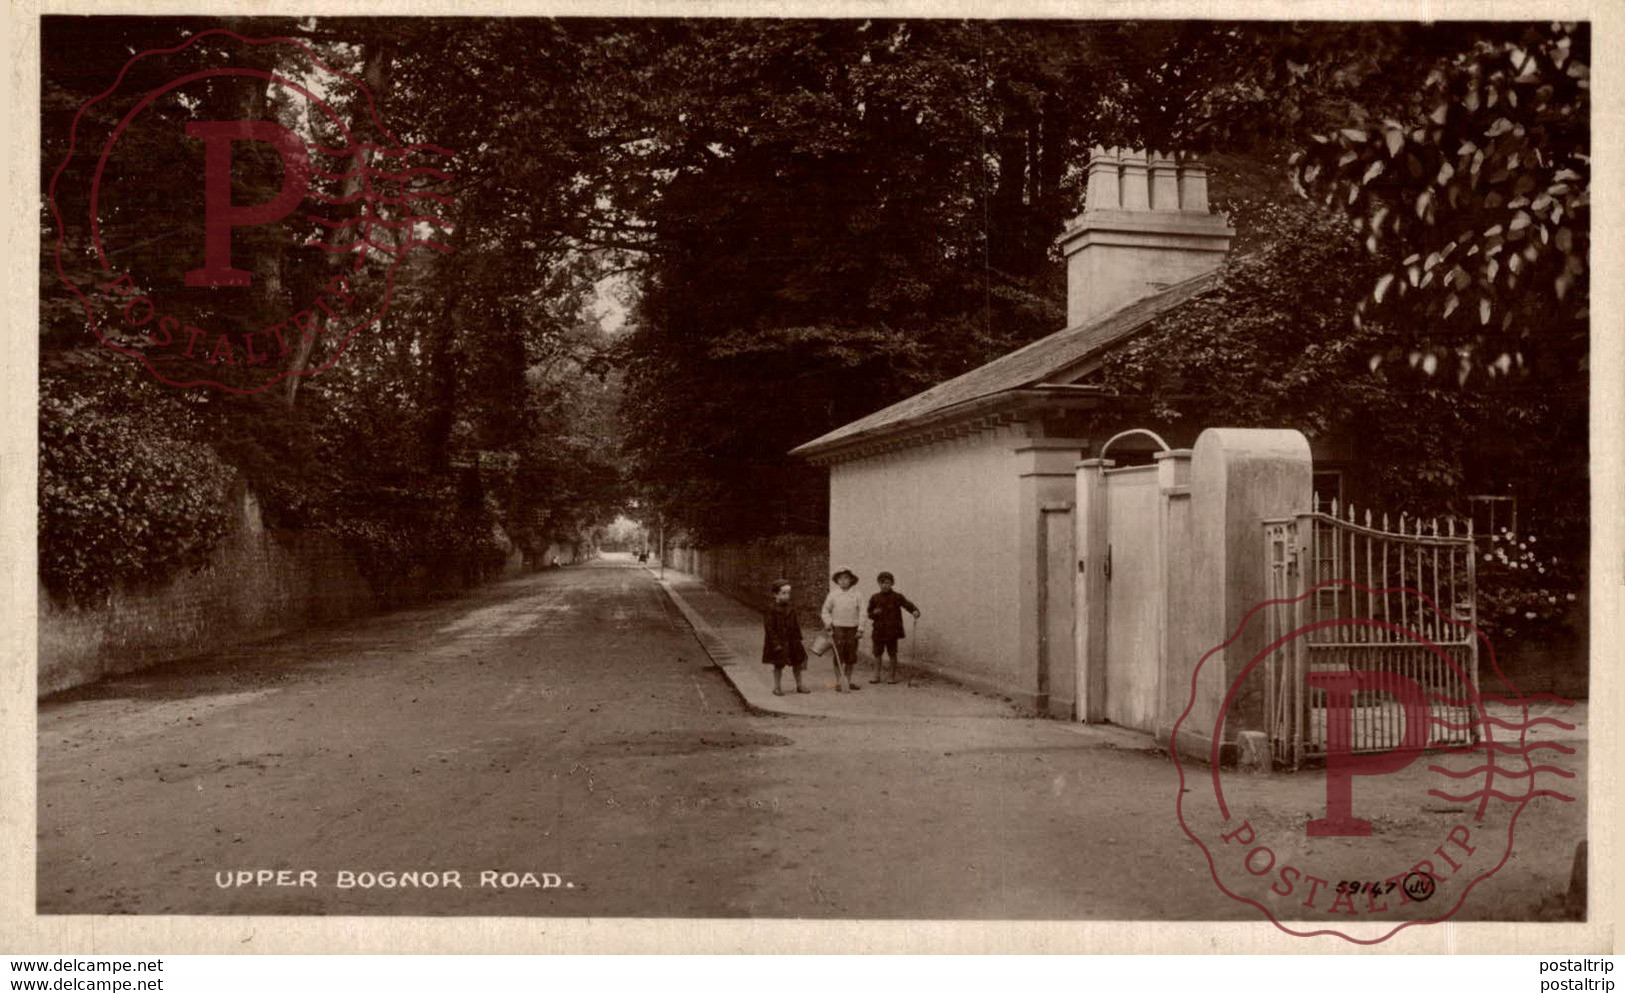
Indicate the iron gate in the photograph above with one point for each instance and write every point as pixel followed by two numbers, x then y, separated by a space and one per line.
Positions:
pixel 1331 567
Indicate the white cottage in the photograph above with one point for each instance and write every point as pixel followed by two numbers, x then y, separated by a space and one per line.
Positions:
pixel 966 491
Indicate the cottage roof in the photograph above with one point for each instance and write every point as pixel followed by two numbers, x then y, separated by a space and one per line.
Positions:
pixel 1030 366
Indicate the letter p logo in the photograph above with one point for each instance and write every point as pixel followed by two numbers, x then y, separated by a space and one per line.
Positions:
pixel 220 216
pixel 1341 763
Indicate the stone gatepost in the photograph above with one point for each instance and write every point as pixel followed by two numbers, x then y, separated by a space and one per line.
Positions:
pixel 1238 479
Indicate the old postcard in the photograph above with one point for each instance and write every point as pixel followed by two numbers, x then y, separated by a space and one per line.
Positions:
pixel 868 479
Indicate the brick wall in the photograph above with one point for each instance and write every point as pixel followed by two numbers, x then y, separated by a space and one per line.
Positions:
pixel 1557 663
pixel 744 571
pixel 259 584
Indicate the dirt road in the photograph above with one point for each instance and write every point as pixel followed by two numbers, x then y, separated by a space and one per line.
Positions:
pixel 564 734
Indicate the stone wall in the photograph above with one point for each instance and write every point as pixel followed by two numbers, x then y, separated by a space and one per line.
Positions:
pixel 1557 662
pixel 258 584
pixel 744 571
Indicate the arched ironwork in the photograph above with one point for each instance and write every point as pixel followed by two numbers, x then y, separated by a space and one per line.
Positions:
pixel 1124 434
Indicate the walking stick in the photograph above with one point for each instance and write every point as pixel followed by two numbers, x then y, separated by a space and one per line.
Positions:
pixel 914 653
pixel 835 653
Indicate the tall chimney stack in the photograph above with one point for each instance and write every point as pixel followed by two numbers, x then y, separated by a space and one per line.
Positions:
pixel 1145 226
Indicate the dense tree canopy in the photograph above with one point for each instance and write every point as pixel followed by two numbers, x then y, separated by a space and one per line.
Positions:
pixel 1478 187
pixel 868 208
pixel 809 220
pixel 1273 346
pixel 871 208
pixel 449 427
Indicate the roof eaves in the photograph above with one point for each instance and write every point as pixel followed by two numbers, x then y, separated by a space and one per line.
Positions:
pixel 934 417
pixel 922 427
pixel 1094 336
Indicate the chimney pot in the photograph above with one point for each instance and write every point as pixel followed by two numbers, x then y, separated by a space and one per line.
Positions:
pixel 1103 190
pixel 1145 226
pixel 1164 182
pixel 1193 187
pixel 1136 182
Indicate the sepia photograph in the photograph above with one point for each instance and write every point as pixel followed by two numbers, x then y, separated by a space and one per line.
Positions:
pixel 869 469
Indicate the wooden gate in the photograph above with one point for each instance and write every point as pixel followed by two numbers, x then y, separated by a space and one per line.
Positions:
pixel 1056 627
pixel 1380 587
pixel 1133 595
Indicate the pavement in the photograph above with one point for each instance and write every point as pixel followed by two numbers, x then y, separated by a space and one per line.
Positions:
pixel 731 634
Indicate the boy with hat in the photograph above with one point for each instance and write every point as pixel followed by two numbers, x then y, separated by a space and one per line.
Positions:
pixel 843 614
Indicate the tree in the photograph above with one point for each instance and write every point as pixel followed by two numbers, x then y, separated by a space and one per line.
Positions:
pixel 1273 345
pixel 853 211
pixel 819 218
pixel 1479 190
pixel 476 365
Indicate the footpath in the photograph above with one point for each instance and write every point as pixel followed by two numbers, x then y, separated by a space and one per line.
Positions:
pixel 731 634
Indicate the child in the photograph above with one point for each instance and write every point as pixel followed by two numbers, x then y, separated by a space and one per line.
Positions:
pixel 886 611
pixel 781 639
pixel 843 613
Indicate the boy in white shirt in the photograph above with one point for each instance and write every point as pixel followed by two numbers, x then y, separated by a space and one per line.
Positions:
pixel 843 615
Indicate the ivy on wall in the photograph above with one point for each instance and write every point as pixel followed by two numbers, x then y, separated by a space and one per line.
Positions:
pixel 129 490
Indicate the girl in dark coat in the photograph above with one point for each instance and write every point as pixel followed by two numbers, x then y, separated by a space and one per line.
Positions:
pixel 781 639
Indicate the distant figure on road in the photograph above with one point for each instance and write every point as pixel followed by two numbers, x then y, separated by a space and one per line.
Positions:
pixel 843 614
pixel 643 556
pixel 781 639
pixel 886 614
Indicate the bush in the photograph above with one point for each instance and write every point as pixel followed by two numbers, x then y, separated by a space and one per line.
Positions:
pixel 124 500
pixel 1522 591
pixel 418 533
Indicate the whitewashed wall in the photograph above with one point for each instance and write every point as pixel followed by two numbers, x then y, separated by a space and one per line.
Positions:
pixel 944 518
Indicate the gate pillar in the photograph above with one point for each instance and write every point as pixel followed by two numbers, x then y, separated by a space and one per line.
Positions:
pixel 1238 479
pixel 1174 507
pixel 1043 467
